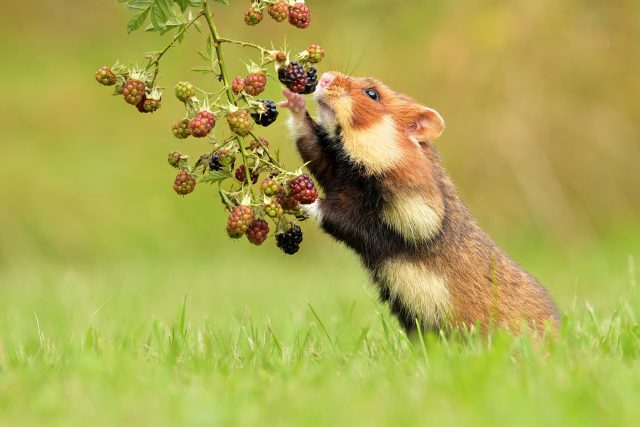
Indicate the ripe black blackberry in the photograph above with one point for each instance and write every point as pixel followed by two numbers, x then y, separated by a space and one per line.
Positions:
pixel 293 77
pixel 303 190
pixel 312 81
pixel 289 241
pixel 214 162
pixel 105 76
pixel 257 231
pixel 268 116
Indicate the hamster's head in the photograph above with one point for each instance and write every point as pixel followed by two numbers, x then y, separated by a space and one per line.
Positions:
pixel 380 129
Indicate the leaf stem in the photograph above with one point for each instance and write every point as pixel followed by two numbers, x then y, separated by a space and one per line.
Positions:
pixel 155 60
pixel 244 44
pixel 217 44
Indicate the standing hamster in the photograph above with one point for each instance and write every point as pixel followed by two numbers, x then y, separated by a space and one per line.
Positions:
pixel 388 197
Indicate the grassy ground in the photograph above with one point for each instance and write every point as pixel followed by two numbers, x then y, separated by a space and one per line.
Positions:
pixel 121 304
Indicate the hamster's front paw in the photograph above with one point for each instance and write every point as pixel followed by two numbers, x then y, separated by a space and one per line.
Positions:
pixel 294 102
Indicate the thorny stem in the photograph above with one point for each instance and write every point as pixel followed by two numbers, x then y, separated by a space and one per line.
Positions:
pixel 244 44
pixel 217 44
pixel 155 59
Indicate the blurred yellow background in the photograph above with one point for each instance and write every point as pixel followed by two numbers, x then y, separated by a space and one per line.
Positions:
pixel 543 141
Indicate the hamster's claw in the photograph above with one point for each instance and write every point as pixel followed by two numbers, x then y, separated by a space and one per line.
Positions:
pixel 294 102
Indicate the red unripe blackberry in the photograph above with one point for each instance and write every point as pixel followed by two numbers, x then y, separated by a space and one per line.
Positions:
pixel 174 158
pixel 312 81
pixel 287 202
pixel 105 76
pixel 268 116
pixel 133 91
pixel 240 218
pixel 273 209
pixel 316 53
pixel 290 240
pixel 240 175
pixel 185 91
pixel 239 122
pixel 257 231
pixel 270 187
pixel 184 184
pixel 237 85
pixel 254 83
pixel 280 56
pixel 293 77
pixel 202 123
pixel 299 15
pixel 255 145
pixel 180 129
pixel 303 190
pixel 279 11
pixel 253 16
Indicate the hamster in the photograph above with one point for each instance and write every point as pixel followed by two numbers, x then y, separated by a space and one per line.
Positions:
pixel 388 198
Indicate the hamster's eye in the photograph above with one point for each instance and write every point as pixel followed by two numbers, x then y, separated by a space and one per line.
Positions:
pixel 372 93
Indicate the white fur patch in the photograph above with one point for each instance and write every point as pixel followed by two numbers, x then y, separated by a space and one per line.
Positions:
pixel 298 126
pixel 420 290
pixel 314 211
pixel 412 217
pixel 376 147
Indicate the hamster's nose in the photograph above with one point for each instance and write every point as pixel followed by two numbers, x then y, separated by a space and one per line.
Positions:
pixel 326 79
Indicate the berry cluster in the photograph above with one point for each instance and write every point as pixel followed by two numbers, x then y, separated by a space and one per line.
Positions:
pixel 296 11
pixel 236 159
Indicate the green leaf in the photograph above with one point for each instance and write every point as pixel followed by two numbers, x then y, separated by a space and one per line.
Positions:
pixel 215 176
pixel 222 1
pixel 182 4
pixel 137 21
pixel 158 11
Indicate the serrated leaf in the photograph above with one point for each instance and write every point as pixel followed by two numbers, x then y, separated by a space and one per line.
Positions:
pixel 222 1
pixel 182 4
pixel 215 176
pixel 137 21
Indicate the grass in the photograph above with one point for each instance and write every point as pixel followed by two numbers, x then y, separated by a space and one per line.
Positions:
pixel 70 357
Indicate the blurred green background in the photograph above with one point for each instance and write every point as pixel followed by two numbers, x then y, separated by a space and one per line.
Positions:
pixel 540 98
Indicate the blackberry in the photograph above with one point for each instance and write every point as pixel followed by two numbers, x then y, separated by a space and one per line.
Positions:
pixel 257 231
pixel 280 56
pixel 268 116
pixel 256 145
pixel 133 91
pixel 214 162
pixel 254 83
pixel 270 187
pixel 240 218
pixel 253 16
pixel 279 11
pixel 312 81
pixel 316 53
pixel 287 202
pixel 237 85
pixel 105 76
pixel 239 122
pixel 184 184
pixel 290 240
pixel 202 123
pixel 174 158
pixel 181 129
pixel 150 103
pixel 185 91
pixel 273 209
pixel 226 157
pixel 299 15
pixel 293 77
pixel 241 175
pixel 303 190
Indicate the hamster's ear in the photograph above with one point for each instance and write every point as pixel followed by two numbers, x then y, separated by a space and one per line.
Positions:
pixel 427 126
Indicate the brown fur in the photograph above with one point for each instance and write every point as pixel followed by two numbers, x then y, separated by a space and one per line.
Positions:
pixel 439 268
